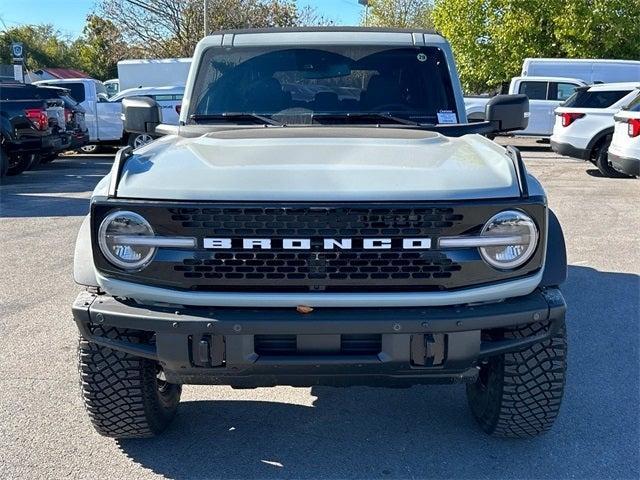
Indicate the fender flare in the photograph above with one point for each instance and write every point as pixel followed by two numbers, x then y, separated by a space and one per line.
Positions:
pixel 84 272
pixel 596 139
pixel 555 262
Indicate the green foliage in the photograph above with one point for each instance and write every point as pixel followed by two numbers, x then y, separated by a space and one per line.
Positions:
pixel 491 38
pixel 44 45
pixel 99 48
pixel 399 13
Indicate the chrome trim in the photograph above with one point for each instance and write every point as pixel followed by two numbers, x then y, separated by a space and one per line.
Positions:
pixel 485 293
pixel 155 241
pixel 480 241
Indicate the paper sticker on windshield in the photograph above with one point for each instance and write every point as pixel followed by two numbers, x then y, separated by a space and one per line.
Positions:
pixel 447 116
pixel 422 57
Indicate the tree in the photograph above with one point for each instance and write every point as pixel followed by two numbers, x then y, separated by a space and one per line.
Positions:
pixel 99 48
pixel 400 13
pixel 44 46
pixel 491 38
pixel 171 28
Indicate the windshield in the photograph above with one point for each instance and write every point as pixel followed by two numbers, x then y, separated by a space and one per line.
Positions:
pixel 302 83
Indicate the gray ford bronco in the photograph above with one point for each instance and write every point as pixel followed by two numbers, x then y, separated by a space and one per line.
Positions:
pixel 322 215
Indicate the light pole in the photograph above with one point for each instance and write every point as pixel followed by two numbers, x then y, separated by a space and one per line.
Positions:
pixel 366 11
pixel 206 17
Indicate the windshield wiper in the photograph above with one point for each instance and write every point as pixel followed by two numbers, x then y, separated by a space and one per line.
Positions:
pixel 365 116
pixel 234 117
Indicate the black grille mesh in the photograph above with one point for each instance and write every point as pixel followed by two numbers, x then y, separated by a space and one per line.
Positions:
pixel 317 221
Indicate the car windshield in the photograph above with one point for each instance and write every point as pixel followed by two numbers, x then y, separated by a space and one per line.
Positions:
pixel 634 104
pixel 303 84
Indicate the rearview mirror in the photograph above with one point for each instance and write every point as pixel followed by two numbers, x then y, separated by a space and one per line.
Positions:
pixel 141 115
pixel 508 112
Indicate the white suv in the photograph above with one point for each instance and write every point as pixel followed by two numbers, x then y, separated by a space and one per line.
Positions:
pixel 624 151
pixel 584 123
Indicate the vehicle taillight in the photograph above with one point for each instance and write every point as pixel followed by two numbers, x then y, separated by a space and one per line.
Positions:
pixel 569 118
pixel 634 127
pixel 68 115
pixel 38 117
pixel 178 108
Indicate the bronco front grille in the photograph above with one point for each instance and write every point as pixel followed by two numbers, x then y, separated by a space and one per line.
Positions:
pixel 317 268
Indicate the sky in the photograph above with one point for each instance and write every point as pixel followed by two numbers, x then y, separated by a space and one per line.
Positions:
pixel 68 15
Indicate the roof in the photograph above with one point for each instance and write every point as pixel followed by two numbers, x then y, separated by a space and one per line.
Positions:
pixel 133 92
pixel 325 29
pixel 614 86
pixel 63 72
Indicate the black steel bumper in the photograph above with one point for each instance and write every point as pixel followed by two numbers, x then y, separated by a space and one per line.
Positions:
pixel 416 345
pixel 569 150
pixel 627 165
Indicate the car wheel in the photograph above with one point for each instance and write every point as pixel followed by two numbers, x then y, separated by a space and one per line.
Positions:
pixel 4 162
pixel 20 162
pixel 137 140
pixel 91 148
pixel 125 396
pixel 603 164
pixel 518 394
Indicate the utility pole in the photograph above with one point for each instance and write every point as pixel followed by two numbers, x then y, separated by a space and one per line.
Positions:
pixel 366 11
pixel 206 17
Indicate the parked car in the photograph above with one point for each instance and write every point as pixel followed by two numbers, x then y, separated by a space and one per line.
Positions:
pixel 103 118
pixel 584 123
pixel 624 151
pixel 590 71
pixel 360 235
pixel 32 124
pixel 168 98
pixel 76 129
pixel 545 95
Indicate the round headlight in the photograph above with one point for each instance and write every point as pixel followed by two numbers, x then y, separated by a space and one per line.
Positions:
pixel 117 237
pixel 516 237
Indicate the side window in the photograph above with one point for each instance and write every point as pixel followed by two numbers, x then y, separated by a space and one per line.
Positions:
pixel 534 90
pixel 76 91
pixel 561 91
pixel 163 98
pixel 634 105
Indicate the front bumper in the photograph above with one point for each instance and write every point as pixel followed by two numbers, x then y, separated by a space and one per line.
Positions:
pixel 569 150
pixel 628 165
pixel 204 345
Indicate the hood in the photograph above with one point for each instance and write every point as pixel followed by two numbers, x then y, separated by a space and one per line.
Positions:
pixel 319 164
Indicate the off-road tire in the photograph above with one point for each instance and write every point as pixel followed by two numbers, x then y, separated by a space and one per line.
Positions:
pixel 601 160
pixel 519 394
pixel 122 393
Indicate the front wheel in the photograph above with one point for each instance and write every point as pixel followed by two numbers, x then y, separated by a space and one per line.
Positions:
pixel 89 148
pixel 518 394
pixel 124 395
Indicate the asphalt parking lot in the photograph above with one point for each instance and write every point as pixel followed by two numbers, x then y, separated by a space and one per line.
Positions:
pixel 421 432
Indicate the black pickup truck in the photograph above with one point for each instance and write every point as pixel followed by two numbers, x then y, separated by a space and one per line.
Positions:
pixel 32 123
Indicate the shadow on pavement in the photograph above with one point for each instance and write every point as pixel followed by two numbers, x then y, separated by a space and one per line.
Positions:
pixel 427 432
pixel 59 188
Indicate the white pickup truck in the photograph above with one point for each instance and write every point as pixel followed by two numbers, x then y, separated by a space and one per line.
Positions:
pixel 545 95
pixel 103 118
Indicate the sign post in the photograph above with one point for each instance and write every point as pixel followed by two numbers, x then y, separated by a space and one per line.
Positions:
pixel 17 52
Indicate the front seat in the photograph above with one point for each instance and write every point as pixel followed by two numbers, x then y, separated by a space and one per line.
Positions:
pixel 382 90
pixel 266 96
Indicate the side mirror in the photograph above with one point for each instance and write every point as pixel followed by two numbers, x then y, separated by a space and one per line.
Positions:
pixel 508 112
pixel 102 97
pixel 141 115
